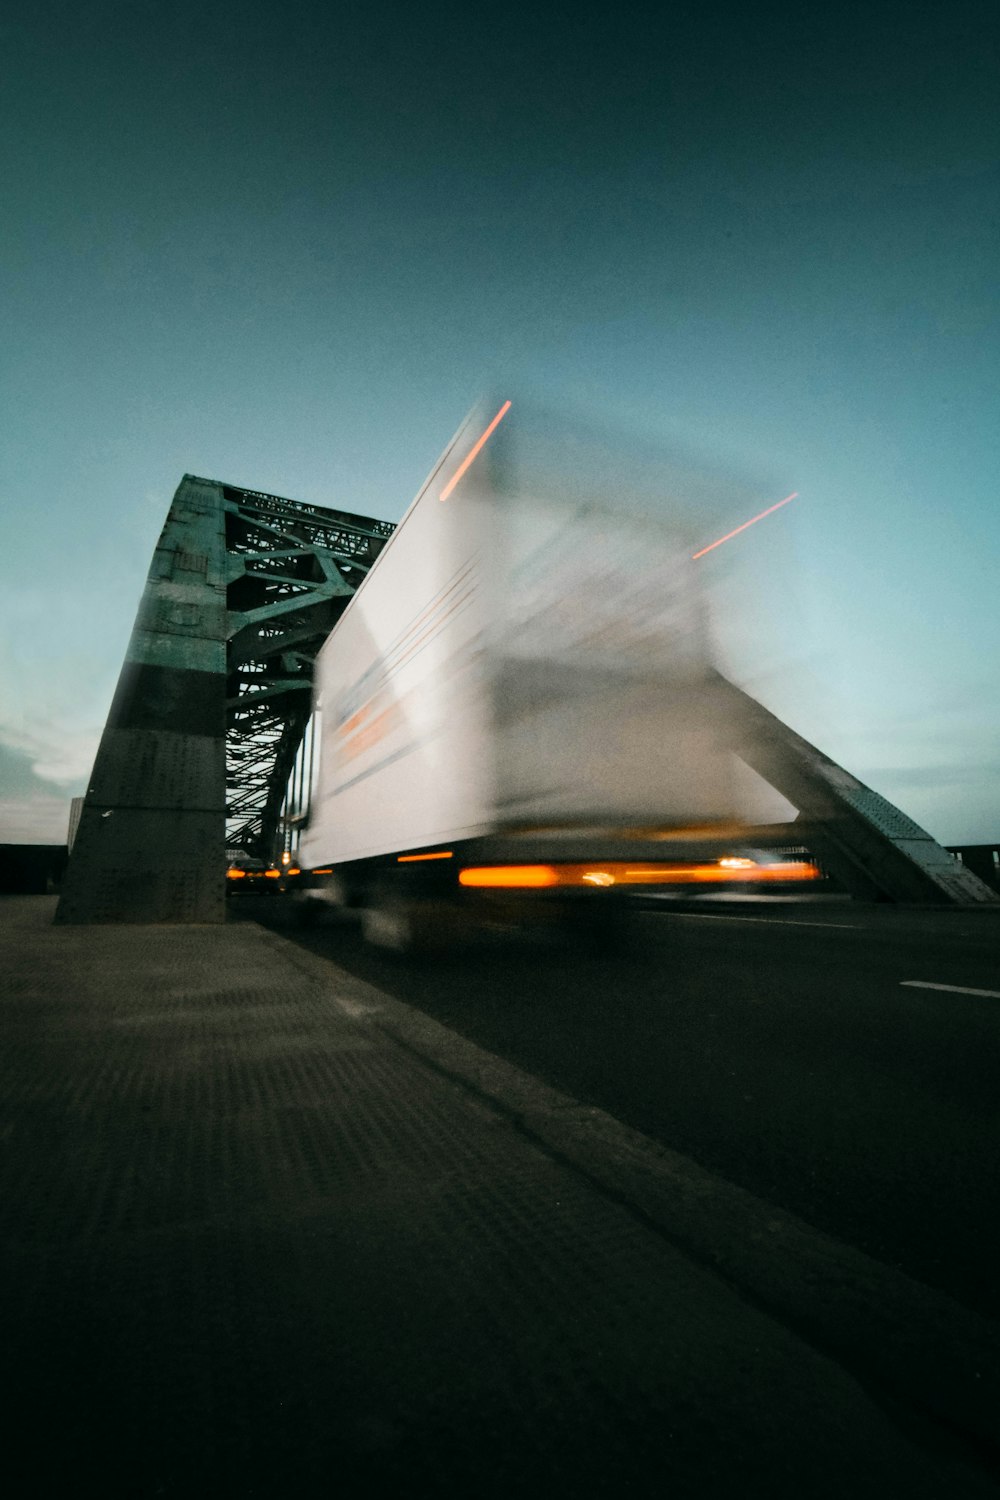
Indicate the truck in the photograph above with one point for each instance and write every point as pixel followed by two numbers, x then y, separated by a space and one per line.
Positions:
pixel 516 716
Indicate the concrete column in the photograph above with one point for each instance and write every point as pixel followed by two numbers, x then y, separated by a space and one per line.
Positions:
pixel 150 846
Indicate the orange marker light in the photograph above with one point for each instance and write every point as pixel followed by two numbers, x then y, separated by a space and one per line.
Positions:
pixel 273 874
pixel 236 874
pixel 412 859
pixel 752 522
pixel 476 450
pixel 509 875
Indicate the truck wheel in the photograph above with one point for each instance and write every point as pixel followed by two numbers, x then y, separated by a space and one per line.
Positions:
pixel 411 928
pixel 386 925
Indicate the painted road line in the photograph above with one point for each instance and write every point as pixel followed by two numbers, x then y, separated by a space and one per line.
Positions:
pixel 953 989
pixel 714 916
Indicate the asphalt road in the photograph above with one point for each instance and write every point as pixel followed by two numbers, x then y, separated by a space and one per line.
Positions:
pixel 785 1047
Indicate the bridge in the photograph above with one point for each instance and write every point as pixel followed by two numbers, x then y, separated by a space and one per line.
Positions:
pixel 207 750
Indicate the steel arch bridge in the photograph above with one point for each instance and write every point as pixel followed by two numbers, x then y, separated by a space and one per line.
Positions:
pixel 213 704
pixel 213 700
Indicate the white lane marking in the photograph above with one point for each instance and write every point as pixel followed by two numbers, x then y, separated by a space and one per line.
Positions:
pixel 953 989
pixel 712 916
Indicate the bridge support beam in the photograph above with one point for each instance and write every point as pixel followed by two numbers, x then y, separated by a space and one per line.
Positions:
pixel 212 701
pixel 871 848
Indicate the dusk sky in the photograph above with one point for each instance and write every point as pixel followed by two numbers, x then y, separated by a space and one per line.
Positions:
pixel 289 248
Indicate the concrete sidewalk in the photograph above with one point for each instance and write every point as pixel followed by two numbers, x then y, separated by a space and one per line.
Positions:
pixel 267 1233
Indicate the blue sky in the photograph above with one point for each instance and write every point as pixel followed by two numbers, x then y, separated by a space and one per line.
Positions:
pixel 289 248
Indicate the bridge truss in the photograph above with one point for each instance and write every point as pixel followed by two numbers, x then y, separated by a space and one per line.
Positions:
pixel 291 569
pixel 213 701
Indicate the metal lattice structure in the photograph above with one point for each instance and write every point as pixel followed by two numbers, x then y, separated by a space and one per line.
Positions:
pixel 213 700
pixel 290 571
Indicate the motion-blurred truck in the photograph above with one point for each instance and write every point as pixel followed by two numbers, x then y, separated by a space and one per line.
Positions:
pixel 517 716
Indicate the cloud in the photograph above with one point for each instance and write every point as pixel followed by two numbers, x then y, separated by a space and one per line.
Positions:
pixel 38 818
pixel 56 687
pixel 17 774
pixel 31 810
pixel 45 753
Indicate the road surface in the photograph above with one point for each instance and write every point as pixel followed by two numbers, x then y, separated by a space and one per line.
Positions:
pixel 840 1062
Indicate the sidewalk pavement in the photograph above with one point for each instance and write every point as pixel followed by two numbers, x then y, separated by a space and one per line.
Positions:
pixel 267 1232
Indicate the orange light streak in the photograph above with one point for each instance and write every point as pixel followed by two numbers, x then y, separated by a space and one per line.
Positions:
pixel 475 451
pixel 618 873
pixel 411 859
pixel 730 534
pixel 509 875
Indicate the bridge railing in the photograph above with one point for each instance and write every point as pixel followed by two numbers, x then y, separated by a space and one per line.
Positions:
pixel 982 859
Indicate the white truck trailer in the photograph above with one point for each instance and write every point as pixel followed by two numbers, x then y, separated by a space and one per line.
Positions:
pixel 516 713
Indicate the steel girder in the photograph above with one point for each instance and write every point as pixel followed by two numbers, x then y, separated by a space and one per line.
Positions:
pixel 291 568
pixel 873 849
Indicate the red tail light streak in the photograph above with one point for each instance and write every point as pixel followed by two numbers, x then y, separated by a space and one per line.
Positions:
pixel 752 522
pixel 471 456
